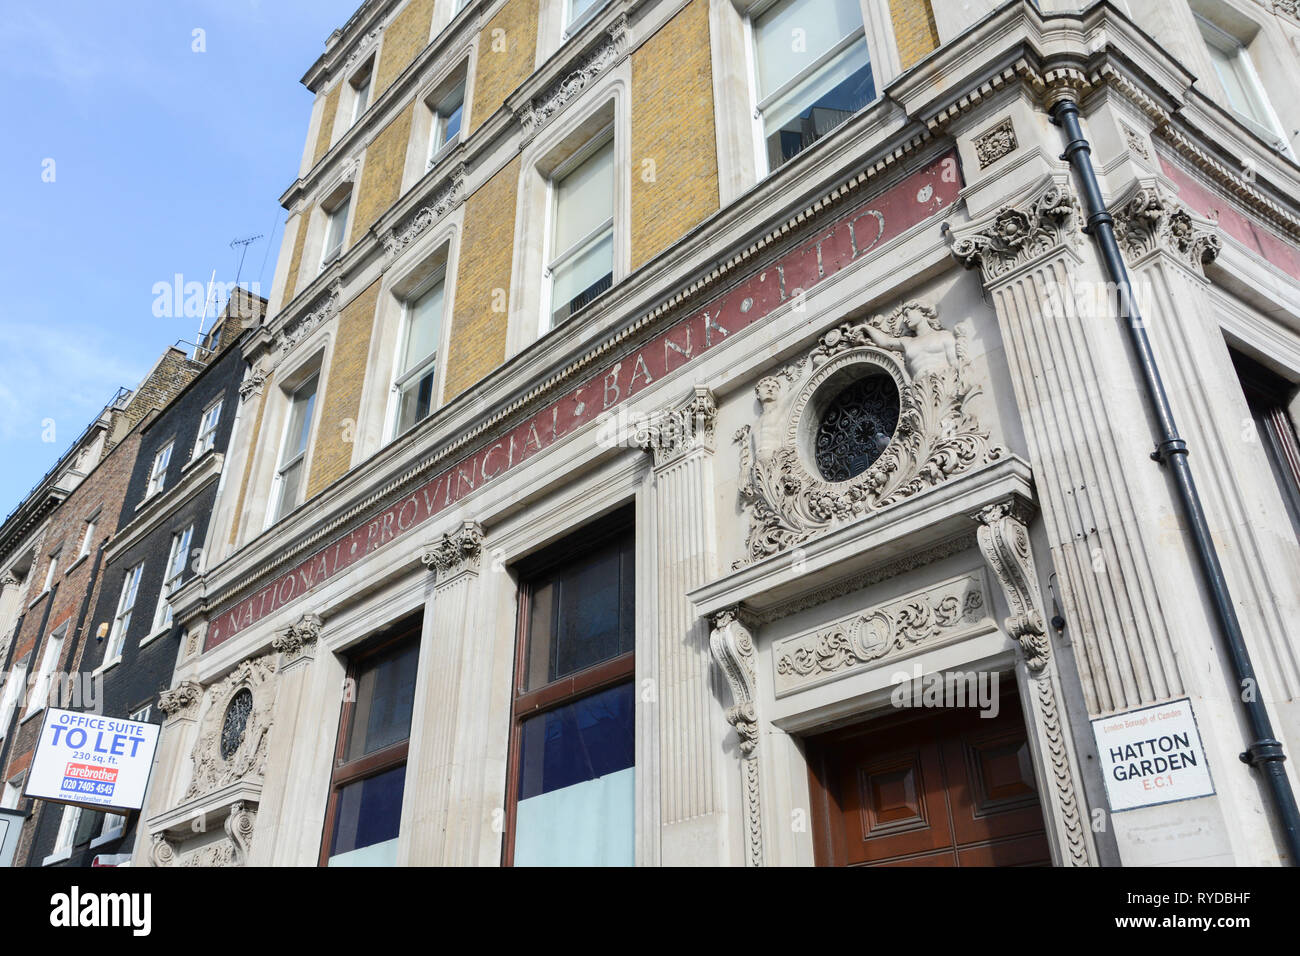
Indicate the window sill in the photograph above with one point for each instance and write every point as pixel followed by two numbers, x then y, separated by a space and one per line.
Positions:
pixel 31 713
pixel 75 564
pixel 111 837
pixel 148 498
pixel 197 458
pixel 107 666
pixel 37 600
pixel 150 638
pixel 58 856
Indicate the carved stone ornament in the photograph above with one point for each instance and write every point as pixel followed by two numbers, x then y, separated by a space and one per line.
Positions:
pixel 1135 141
pixel 937 436
pixel 253 384
pixel 1004 541
pixel 996 143
pixel 247 757
pixel 162 852
pixel 673 434
pixel 539 111
pixel 1152 219
pixel 362 47
pixel 8 580
pixel 732 647
pixel 1017 235
pixel 945 610
pixel 182 700
pixel 326 307
pixel 442 202
pixel 297 637
pixel 457 553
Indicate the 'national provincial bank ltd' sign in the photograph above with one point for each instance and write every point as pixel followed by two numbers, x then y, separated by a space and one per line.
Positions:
pixel 849 237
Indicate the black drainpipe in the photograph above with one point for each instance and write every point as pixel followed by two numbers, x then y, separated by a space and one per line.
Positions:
pixel 1265 751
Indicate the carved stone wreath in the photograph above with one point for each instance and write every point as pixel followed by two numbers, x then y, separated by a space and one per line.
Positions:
pixel 937 437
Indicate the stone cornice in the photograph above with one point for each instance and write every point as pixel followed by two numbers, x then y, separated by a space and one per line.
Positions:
pixel 347 41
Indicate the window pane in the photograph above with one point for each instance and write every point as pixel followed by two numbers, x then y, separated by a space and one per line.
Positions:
pixel 576 794
pixel 385 692
pixel 368 814
pixel 451 123
pixel 424 318
pixel 578 7
pixel 415 401
pixel 582 615
pixel 584 199
pixel 819 104
pixel 290 478
pixel 580 279
pixel 295 441
pixel 793 35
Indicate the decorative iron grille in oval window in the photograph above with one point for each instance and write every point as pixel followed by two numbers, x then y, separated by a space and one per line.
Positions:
pixel 856 426
pixel 232 728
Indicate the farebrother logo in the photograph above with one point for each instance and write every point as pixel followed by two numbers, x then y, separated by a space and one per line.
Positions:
pixel 76 909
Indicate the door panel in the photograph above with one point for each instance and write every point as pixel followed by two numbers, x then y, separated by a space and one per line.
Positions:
pixel 946 788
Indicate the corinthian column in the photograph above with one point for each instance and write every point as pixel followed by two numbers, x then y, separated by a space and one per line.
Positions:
pixel 431 764
pixel 693 815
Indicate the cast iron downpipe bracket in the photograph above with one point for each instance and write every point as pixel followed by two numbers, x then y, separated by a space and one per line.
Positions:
pixel 1171 446
pixel 1262 751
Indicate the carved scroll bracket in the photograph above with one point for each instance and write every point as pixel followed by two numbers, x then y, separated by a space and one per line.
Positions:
pixel 296 641
pixel 1017 236
pixel 1003 539
pixel 732 645
pixel 1149 219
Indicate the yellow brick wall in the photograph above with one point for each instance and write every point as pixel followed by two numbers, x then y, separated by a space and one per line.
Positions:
pixel 381 175
pixel 342 400
pixel 507 49
pixel 295 260
pixel 404 38
pixel 914 29
pixel 478 333
pixel 674 147
pixel 327 115
pixel 253 441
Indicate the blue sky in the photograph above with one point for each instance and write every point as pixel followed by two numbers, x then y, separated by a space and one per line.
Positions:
pixel 161 156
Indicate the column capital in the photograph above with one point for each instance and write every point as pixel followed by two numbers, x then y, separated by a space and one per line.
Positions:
pixel 181 701
pixel 1017 235
pixel 295 641
pixel 681 429
pixel 253 384
pixel 1149 219
pixel 457 553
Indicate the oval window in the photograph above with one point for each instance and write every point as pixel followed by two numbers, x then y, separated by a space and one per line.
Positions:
pixel 236 722
pixel 856 426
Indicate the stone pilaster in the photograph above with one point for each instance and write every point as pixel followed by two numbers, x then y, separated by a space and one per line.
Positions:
pixel 432 765
pixel 693 818
pixel 1087 439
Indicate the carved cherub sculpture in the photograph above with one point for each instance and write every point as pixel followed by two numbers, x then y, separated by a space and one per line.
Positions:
pixel 928 348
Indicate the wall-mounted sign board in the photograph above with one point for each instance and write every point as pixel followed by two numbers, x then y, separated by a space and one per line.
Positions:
pixel 1152 755
pixel 92 760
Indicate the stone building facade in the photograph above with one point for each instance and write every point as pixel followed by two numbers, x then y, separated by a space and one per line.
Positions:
pixel 56 577
pixel 657 396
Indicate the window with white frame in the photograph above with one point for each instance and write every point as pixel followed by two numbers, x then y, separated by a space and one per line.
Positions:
pixel 40 691
pixel 88 538
pixel 12 691
pixel 446 122
pixel 1236 72
pixel 581 264
pixel 13 793
pixel 336 221
pixel 125 608
pixel 293 451
pixel 208 429
pixel 360 84
pixel 417 363
pixel 68 826
pixel 110 828
pixel 578 12
pixel 158 472
pixel 812 71
pixel 176 562
pixel 51 571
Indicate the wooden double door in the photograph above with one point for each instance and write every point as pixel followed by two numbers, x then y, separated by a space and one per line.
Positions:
pixel 927 788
